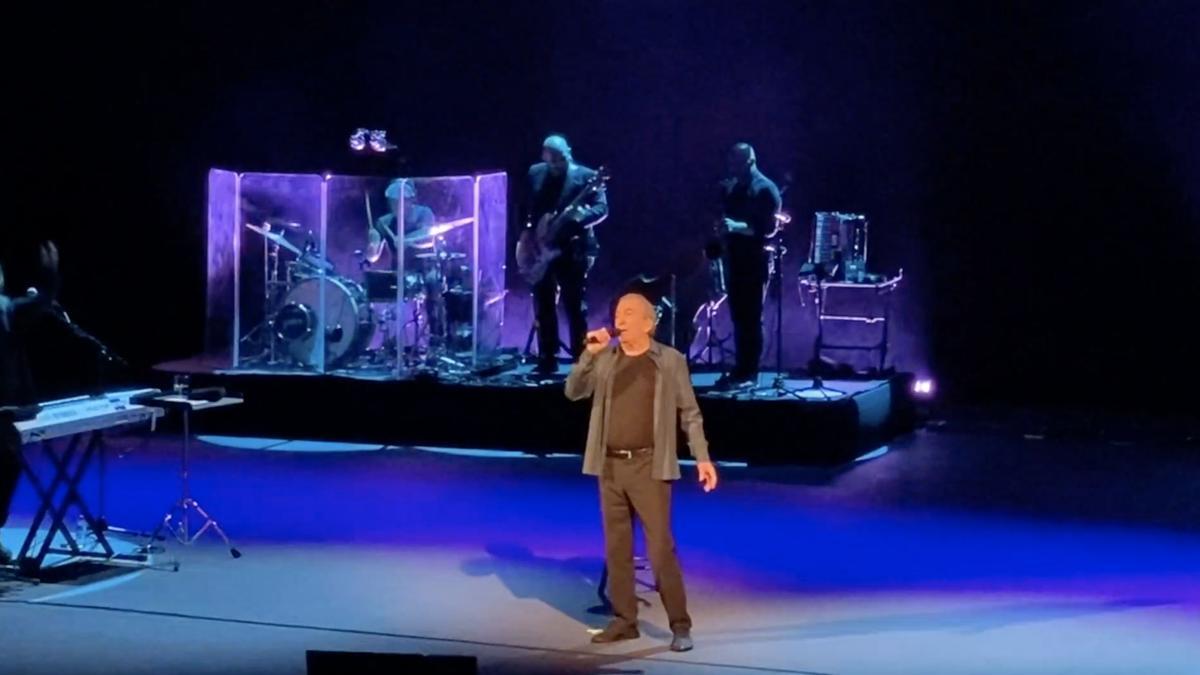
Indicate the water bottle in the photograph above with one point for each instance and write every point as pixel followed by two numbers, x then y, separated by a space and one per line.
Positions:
pixel 81 529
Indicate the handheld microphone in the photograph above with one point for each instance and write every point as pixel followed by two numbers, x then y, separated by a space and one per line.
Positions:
pixel 612 331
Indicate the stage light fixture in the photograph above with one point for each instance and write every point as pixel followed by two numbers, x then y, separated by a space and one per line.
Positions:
pixel 379 141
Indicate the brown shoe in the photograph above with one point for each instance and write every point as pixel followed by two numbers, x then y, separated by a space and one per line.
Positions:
pixel 615 632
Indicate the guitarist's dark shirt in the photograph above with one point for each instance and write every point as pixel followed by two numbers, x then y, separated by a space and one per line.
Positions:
pixel 545 200
pixel 548 193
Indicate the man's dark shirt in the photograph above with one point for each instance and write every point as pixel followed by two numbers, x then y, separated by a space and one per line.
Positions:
pixel 548 193
pixel 755 203
pixel 631 419
pixel 24 335
pixel 16 383
pixel 545 199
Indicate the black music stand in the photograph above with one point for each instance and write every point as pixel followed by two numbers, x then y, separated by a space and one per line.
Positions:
pixel 177 520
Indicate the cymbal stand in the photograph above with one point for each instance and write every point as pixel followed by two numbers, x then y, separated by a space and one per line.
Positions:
pixel 439 354
pixel 272 285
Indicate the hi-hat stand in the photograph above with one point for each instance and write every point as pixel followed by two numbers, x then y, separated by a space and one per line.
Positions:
pixel 263 335
pixel 439 357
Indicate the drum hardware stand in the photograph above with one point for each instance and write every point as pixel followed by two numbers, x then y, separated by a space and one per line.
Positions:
pixel 714 345
pixel 775 279
pixel 387 319
pixel 714 351
pixel 271 288
pixel 439 355
pixel 177 519
pixel 419 321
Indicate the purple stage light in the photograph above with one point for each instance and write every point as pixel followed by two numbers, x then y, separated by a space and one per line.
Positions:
pixel 923 387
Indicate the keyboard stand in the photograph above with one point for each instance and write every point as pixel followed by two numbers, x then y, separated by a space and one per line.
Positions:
pixel 69 467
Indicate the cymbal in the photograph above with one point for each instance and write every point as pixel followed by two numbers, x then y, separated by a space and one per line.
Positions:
pixel 274 237
pixel 436 229
pixel 285 224
pixel 445 255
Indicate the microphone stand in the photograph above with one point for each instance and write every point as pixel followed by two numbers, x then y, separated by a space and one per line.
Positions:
pixel 779 383
pixel 819 273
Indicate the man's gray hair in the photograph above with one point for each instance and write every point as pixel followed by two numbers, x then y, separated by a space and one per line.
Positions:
pixel 650 306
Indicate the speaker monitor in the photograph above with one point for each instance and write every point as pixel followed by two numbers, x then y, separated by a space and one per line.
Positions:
pixel 370 663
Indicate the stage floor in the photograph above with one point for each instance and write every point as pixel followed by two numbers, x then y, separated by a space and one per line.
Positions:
pixel 825 426
pixel 523 376
pixel 948 554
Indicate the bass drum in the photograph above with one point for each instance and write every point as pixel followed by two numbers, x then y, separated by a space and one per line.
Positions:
pixel 348 325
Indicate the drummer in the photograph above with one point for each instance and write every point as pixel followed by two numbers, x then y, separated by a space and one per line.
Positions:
pixel 417 217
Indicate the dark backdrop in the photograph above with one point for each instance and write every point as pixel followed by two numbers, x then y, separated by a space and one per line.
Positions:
pixel 1033 166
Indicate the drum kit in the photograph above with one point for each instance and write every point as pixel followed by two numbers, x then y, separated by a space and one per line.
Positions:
pixel 436 285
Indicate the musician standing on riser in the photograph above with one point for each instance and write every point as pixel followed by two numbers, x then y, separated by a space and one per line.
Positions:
pixel 553 183
pixel 749 201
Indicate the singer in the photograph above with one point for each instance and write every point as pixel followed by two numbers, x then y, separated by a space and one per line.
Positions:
pixel 638 389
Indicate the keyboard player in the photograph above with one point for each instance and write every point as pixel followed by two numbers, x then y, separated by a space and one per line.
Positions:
pixel 16 385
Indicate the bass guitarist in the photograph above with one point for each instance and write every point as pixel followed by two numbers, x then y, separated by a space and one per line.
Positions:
pixel 554 183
